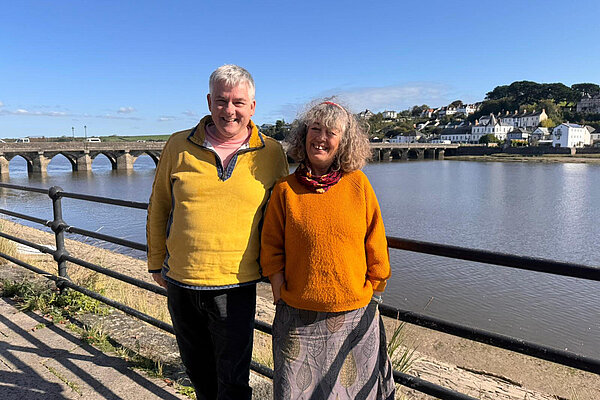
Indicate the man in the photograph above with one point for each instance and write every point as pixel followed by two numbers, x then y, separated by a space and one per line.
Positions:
pixel 207 202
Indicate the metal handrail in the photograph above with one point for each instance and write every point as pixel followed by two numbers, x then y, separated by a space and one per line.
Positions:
pixel 508 260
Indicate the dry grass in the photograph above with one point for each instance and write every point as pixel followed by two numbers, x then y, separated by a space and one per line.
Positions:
pixel 132 296
pixel 6 246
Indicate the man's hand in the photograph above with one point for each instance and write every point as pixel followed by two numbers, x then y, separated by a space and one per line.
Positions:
pixel 277 280
pixel 159 279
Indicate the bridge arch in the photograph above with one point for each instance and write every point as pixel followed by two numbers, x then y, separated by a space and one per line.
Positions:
pixel 70 157
pixel 7 158
pixel 109 155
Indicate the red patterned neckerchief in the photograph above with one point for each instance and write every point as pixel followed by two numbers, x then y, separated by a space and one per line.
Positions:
pixel 317 184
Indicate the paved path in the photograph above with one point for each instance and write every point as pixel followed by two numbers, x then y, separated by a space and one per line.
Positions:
pixel 51 362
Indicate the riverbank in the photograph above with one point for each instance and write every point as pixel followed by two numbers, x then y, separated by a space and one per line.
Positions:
pixel 544 158
pixel 482 371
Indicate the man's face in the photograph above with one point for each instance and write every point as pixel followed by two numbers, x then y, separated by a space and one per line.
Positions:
pixel 231 108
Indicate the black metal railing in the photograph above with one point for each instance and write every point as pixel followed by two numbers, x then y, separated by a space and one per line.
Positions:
pixel 61 256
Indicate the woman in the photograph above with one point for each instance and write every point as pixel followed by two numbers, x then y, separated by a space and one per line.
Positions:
pixel 325 252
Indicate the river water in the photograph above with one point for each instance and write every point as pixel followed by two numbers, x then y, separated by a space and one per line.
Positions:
pixel 540 210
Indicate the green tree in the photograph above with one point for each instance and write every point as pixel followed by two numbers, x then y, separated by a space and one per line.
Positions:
pixel 417 110
pixel 548 123
pixel 280 129
pixel 489 138
pixel 586 88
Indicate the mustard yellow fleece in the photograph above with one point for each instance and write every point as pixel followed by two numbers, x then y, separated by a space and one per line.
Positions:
pixel 331 246
pixel 202 230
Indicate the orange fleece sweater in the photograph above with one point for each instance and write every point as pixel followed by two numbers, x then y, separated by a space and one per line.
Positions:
pixel 331 246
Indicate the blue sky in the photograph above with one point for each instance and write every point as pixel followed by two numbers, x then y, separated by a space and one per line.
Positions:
pixel 137 68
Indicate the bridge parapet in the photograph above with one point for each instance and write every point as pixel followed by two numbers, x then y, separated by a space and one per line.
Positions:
pixel 122 155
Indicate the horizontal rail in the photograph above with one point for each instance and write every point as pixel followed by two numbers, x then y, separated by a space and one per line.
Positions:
pixel 25 188
pixel 25 217
pixel 506 342
pixel 119 306
pixel 107 238
pixel 62 282
pixel 117 275
pixel 261 369
pixel 105 200
pixel 39 247
pixel 429 388
pixel 496 258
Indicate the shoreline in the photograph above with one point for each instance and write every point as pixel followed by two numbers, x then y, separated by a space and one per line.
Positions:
pixel 545 158
pixel 479 370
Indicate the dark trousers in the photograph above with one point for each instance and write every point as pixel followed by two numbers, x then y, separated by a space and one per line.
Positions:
pixel 214 330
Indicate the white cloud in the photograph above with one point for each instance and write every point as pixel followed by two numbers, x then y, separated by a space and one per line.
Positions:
pixel 398 97
pixel 23 112
pixel 189 113
pixel 126 110
pixel 109 116
pixel 1 104
pixel 376 99
pixel 166 118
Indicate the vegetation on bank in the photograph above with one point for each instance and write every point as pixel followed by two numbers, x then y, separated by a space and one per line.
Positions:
pixel 559 101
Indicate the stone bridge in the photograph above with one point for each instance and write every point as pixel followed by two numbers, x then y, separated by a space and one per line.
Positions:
pixel 38 155
pixel 122 155
pixel 405 151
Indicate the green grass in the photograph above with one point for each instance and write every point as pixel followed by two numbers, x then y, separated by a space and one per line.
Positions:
pixel 148 138
pixel 402 356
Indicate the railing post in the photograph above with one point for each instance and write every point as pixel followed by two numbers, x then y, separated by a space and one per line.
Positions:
pixel 58 227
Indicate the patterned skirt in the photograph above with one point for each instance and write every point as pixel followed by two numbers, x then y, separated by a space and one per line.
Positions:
pixel 321 355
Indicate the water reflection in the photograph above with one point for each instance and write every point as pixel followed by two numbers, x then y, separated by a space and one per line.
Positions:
pixel 543 210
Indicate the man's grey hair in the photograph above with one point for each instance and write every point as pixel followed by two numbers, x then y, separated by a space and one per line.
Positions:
pixel 232 75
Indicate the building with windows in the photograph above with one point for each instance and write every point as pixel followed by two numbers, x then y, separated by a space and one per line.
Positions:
pixel 492 126
pixel 570 135
pixel 589 104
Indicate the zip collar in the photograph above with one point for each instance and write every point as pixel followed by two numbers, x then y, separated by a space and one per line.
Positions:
pixel 198 135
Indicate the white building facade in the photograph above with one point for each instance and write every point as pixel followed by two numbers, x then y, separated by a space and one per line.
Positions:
pixel 491 126
pixel 570 135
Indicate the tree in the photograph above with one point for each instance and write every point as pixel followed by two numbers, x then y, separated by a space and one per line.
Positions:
pixel 280 129
pixel 417 110
pixel 548 123
pixel 489 138
pixel 456 103
pixel 586 88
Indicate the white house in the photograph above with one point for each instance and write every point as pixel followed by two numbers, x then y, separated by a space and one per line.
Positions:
pixel 532 119
pixel 540 133
pixel 411 137
pixel 466 109
pixel 427 113
pixel 447 111
pixel 389 114
pixel 570 135
pixel 594 135
pixel 491 126
pixel 457 134
pixel 510 118
pixel 519 134
pixel 365 114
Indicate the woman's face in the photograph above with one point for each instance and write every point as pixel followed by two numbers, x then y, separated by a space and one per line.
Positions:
pixel 321 146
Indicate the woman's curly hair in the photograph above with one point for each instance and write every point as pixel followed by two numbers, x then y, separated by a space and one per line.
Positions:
pixel 354 150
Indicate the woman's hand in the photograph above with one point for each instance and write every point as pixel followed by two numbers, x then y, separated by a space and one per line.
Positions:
pixel 277 280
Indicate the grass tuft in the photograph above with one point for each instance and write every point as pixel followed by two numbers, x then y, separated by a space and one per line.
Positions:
pixel 402 356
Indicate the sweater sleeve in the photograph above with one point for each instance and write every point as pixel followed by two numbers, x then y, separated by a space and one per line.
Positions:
pixel 272 249
pixel 376 248
pixel 159 212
